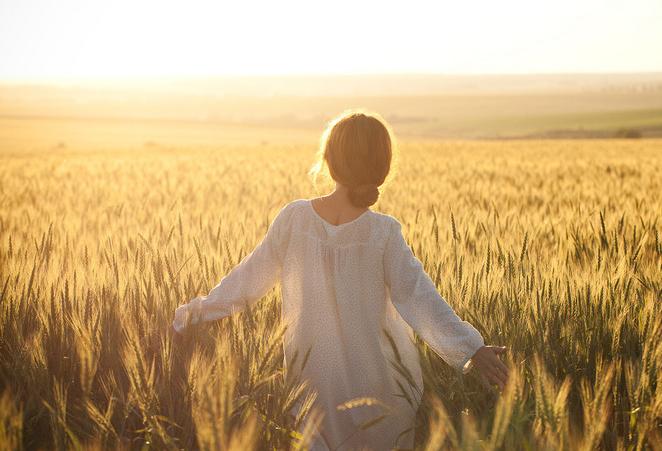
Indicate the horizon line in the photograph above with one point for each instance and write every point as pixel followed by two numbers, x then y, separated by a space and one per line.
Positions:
pixel 201 77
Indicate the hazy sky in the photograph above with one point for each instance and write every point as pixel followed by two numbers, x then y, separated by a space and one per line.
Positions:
pixel 64 39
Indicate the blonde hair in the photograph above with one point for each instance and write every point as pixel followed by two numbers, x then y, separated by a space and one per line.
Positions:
pixel 357 147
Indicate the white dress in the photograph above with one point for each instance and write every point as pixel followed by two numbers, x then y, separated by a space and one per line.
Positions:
pixel 342 287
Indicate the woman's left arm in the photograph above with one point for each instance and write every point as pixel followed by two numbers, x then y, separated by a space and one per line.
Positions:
pixel 416 298
pixel 246 283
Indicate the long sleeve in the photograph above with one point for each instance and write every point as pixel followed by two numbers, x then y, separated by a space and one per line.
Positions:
pixel 246 283
pixel 416 298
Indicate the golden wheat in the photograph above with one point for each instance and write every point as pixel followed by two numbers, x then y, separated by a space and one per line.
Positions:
pixel 552 248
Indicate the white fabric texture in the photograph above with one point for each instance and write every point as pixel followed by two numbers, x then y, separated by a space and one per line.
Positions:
pixel 342 287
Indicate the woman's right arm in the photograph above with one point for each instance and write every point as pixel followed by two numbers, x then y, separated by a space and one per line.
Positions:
pixel 245 284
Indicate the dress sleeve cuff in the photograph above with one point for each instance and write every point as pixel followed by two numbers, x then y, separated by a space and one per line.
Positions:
pixel 467 364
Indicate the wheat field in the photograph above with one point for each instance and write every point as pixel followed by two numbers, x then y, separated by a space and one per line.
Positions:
pixel 551 248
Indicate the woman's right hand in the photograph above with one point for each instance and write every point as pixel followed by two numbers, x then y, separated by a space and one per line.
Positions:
pixel 492 370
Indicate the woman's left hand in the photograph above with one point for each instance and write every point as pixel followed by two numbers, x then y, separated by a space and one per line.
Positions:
pixel 179 321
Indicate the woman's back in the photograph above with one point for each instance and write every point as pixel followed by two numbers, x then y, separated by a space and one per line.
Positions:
pixel 335 304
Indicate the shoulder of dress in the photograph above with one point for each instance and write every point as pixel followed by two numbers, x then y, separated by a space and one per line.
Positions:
pixel 296 203
pixel 387 220
pixel 387 224
pixel 289 208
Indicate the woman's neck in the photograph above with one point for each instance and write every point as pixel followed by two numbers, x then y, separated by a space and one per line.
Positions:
pixel 336 207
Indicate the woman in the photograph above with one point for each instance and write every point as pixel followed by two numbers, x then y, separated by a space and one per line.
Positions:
pixel 349 281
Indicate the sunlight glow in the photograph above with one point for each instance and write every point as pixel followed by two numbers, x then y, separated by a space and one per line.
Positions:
pixel 81 39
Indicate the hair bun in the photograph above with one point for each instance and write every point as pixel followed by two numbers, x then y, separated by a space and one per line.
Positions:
pixel 364 195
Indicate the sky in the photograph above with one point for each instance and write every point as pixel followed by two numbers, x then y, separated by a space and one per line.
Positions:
pixel 120 39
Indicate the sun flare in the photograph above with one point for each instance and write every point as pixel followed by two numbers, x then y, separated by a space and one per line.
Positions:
pixel 78 39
